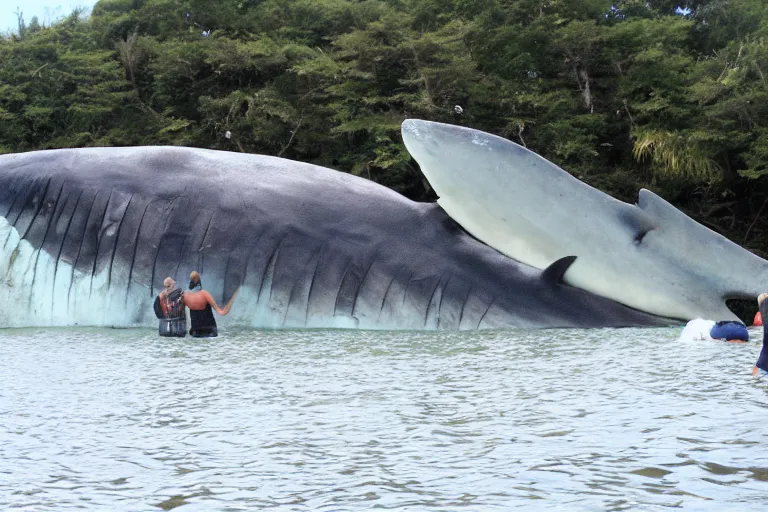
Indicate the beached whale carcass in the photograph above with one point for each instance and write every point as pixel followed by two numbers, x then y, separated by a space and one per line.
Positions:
pixel 89 234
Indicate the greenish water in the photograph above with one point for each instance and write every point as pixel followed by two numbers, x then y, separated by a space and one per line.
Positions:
pixel 342 420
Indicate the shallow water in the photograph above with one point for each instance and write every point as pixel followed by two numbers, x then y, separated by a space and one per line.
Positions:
pixel 342 420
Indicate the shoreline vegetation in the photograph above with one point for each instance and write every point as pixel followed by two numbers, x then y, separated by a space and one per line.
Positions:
pixel 666 95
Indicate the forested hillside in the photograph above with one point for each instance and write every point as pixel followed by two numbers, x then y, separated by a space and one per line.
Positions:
pixel 664 94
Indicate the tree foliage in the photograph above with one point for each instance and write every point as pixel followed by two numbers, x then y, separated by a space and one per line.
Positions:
pixel 671 95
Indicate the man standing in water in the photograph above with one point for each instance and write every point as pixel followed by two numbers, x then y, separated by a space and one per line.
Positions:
pixel 199 302
pixel 169 309
pixel 761 366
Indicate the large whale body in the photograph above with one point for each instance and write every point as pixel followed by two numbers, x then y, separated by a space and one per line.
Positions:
pixel 649 256
pixel 87 236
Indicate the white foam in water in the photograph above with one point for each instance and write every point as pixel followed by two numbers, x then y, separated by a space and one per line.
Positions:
pixel 697 330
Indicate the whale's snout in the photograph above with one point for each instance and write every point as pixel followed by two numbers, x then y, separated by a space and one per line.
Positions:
pixel 417 131
pixel 410 128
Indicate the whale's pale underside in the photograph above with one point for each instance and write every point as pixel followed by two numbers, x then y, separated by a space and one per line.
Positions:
pixel 650 256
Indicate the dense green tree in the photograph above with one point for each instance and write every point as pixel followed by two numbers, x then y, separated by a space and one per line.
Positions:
pixel 667 94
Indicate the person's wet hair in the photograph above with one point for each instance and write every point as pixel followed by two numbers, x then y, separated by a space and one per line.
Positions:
pixel 194 280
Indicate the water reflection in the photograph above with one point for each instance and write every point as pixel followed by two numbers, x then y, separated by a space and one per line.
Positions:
pixel 302 420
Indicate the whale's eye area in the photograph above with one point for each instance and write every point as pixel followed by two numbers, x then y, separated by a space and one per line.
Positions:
pixel 639 237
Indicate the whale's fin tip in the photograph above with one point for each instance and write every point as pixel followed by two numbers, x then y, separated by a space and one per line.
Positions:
pixel 553 274
pixel 647 199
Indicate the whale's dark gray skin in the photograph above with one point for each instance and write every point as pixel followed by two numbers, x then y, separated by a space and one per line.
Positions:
pixel 90 234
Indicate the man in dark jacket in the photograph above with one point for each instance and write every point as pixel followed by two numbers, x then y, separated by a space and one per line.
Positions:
pixel 169 309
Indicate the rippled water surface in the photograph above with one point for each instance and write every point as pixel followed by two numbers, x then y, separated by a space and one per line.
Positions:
pixel 343 420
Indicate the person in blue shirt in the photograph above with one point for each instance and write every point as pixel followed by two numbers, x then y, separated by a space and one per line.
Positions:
pixel 761 366
pixel 729 330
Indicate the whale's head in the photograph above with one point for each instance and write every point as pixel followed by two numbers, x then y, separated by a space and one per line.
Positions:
pixel 650 256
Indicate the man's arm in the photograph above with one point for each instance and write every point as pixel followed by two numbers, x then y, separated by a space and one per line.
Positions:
pixel 213 303
pixel 231 301
pixel 225 311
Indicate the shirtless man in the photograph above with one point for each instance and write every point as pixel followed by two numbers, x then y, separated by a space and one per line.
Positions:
pixel 200 302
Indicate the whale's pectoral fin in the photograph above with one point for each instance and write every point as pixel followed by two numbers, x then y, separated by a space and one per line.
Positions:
pixel 553 274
